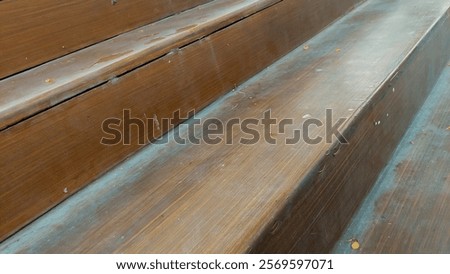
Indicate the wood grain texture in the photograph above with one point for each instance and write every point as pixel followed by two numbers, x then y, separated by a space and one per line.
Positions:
pixel 346 178
pixel 266 198
pixel 60 149
pixel 40 88
pixel 35 31
pixel 408 211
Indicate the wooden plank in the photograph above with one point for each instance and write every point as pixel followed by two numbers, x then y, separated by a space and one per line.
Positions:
pixel 35 31
pixel 38 89
pixel 60 149
pixel 239 198
pixel 324 207
pixel 408 210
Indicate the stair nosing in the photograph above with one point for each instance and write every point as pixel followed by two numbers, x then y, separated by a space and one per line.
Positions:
pixel 35 90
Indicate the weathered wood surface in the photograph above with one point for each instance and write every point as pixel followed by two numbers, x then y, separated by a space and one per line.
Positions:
pixel 38 89
pixel 52 155
pixel 408 211
pixel 35 31
pixel 260 198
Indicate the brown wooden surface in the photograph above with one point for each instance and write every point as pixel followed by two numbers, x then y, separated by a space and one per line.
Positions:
pixel 408 211
pixel 60 148
pixel 35 31
pixel 38 89
pixel 237 198
pixel 375 132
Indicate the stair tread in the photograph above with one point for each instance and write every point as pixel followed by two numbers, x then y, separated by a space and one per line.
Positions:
pixel 38 89
pixel 37 31
pixel 60 150
pixel 219 198
pixel 393 218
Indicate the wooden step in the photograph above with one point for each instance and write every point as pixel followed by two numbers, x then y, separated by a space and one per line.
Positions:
pixel 373 68
pixel 35 31
pixel 38 89
pixel 58 149
pixel 408 210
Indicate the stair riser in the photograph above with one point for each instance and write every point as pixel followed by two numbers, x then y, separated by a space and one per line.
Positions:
pixel 66 138
pixel 36 31
pixel 320 211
